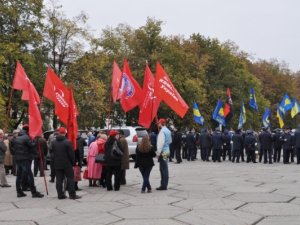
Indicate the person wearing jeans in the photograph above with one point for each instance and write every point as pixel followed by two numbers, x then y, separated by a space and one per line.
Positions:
pixel 164 140
pixel 144 161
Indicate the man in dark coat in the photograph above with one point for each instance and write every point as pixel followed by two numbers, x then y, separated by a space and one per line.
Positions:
pixel 80 143
pixel 226 145
pixel 205 144
pixel 297 144
pixel 23 150
pixel 238 145
pixel 113 160
pixel 250 146
pixel 277 145
pixel 64 160
pixel 288 140
pixel 217 144
pixel 177 140
pixel 266 141
pixel 191 144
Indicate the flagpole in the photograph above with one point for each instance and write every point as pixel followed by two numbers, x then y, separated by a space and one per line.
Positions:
pixel 8 110
pixel 109 110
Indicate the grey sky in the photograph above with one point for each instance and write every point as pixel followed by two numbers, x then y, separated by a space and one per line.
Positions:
pixel 264 28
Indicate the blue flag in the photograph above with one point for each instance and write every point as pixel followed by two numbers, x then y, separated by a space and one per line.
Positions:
pixel 296 108
pixel 218 114
pixel 266 118
pixel 197 115
pixel 242 119
pixel 286 104
pixel 252 102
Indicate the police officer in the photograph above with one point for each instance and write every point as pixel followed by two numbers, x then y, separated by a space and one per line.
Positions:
pixel 177 140
pixel 297 144
pixel 266 140
pixel 250 145
pixel 205 144
pixel 277 145
pixel 191 144
pixel 238 145
pixel 288 143
pixel 217 144
pixel 226 145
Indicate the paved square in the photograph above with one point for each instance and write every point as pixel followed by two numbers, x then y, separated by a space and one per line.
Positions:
pixel 199 193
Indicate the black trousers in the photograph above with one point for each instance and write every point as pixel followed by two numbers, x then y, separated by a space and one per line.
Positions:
pixel 277 154
pixel 226 151
pixel 251 156
pixel 184 152
pixel 178 153
pixel 52 170
pixel 268 155
pixel 216 155
pixel 24 175
pixel 236 154
pixel 116 171
pixel 298 155
pixel 61 174
pixel 38 167
pixel 123 177
pixel 206 153
pixel 191 153
pixel 286 155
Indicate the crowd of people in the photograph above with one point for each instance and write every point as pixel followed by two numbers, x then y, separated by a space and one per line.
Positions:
pixel 18 152
pixel 249 146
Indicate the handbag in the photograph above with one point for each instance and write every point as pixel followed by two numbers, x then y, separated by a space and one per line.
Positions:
pixel 116 152
pixel 100 158
pixel 86 174
pixel 77 174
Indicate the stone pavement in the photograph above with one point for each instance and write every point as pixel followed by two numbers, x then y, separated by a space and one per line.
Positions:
pixel 199 193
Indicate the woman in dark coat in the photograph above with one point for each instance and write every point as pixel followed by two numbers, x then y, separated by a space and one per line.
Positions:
pixel 144 161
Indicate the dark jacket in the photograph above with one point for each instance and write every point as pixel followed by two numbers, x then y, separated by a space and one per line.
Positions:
pixel 2 151
pixel 191 140
pixel 238 141
pixel 63 153
pixel 250 142
pixel 266 140
pixel 277 140
pixel 226 140
pixel 22 147
pixel 110 160
pixel 205 140
pixel 217 140
pixel 144 159
pixel 297 138
pixel 288 140
pixel 177 140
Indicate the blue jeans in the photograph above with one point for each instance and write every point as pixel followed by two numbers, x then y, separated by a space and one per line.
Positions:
pixel 24 166
pixel 145 171
pixel 164 172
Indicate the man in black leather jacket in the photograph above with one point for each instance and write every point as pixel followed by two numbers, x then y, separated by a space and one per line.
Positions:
pixel 23 150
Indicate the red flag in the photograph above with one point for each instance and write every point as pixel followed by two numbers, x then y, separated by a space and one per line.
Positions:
pixel 150 105
pixel 72 126
pixel 20 83
pixel 228 104
pixel 115 82
pixel 165 90
pixel 35 119
pixel 131 92
pixel 56 91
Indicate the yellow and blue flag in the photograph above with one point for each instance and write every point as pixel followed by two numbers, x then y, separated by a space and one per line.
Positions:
pixel 242 119
pixel 286 104
pixel 296 108
pixel 280 117
pixel 252 102
pixel 197 115
pixel 266 118
pixel 218 114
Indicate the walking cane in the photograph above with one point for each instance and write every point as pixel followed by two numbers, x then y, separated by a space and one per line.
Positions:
pixel 42 165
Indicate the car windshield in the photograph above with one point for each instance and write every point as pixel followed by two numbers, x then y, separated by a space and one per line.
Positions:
pixel 141 132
